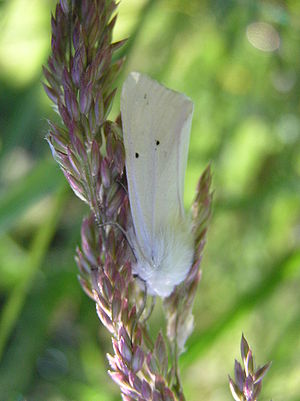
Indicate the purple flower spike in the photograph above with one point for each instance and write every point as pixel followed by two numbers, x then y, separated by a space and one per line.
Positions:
pixel 80 80
pixel 248 380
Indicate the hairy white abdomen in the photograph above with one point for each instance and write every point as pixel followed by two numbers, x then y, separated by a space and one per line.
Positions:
pixel 168 263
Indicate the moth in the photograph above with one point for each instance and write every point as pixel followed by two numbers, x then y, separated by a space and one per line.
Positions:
pixel 156 129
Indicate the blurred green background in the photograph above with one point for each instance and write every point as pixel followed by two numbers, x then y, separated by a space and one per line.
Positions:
pixel 240 63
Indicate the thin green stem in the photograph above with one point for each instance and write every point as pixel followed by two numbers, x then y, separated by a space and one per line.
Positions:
pixel 178 386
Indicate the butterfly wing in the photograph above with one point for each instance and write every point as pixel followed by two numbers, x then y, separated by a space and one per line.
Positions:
pixel 156 128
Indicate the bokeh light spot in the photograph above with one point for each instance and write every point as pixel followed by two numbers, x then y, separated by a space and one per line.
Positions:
pixel 24 40
pixel 263 36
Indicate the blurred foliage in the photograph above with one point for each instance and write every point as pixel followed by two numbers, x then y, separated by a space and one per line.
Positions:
pixel 240 62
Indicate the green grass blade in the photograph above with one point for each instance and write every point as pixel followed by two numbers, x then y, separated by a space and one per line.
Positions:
pixel 42 180
pixel 40 244
pixel 199 344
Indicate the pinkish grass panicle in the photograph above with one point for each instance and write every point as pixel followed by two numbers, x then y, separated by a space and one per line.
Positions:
pixel 248 380
pixel 81 74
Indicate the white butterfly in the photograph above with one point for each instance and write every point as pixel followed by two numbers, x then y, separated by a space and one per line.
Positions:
pixel 156 128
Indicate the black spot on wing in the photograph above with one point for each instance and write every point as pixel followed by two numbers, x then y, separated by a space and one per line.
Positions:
pixel 137 155
pixel 146 98
pixel 157 142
